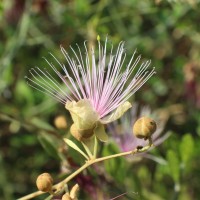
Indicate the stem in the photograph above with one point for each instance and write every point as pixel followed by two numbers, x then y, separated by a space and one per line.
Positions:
pixel 150 141
pixel 59 186
pixel 95 147
pixel 32 195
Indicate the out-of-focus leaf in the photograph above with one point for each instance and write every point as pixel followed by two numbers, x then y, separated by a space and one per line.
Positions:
pixel 23 140
pixel 143 174
pixel 41 124
pixel 7 190
pixel 49 143
pixel 186 148
pixel 174 165
pixel 150 195
pixel 161 171
pixel 160 87
pixel 81 7
pixel 24 92
pixel 116 167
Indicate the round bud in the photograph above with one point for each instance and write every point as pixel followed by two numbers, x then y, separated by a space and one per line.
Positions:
pixel 80 134
pixel 144 128
pixel 44 182
pixel 66 196
pixel 74 191
pixel 60 122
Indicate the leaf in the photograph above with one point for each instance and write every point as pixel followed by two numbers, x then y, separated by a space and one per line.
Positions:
pixel 41 124
pixel 48 143
pixel 174 165
pixel 116 167
pixel 117 113
pixel 186 148
pixel 24 92
pixel 75 147
pixel 81 7
pixel 88 145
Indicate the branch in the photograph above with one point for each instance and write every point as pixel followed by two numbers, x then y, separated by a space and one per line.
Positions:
pixel 60 185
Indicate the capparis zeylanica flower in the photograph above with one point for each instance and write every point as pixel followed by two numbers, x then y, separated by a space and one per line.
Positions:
pixel 97 88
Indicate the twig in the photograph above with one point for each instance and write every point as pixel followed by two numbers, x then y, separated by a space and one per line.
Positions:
pixel 59 185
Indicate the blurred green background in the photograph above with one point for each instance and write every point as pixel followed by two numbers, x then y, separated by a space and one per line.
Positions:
pixel 165 31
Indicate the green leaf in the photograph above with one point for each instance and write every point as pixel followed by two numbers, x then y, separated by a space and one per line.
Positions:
pixel 81 7
pixel 88 145
pixel 174 165
pixel 186 148
pixel 24 92
pixel 75 147
pixel 41 124
pixel 49 143
pixel 116 167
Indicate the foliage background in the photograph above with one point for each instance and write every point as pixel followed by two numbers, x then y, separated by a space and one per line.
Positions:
pixel 167 32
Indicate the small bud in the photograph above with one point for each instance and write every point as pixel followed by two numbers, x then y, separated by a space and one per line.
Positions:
pixel 81 134
pixel 60 122
pixel 74 192
pixel 44 182
pixel 66 196
pixel 144 128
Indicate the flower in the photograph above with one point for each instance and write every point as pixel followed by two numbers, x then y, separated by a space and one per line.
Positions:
pixel 95 93
pixel 122 131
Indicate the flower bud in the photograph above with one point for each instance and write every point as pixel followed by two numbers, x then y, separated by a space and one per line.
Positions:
pixel 144 128
pixel 60 122
pixel 66 196
pixel 44 182
pixel 81 134
pixel 74 192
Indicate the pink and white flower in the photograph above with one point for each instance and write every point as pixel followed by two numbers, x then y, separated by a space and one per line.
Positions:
pixel 97 88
